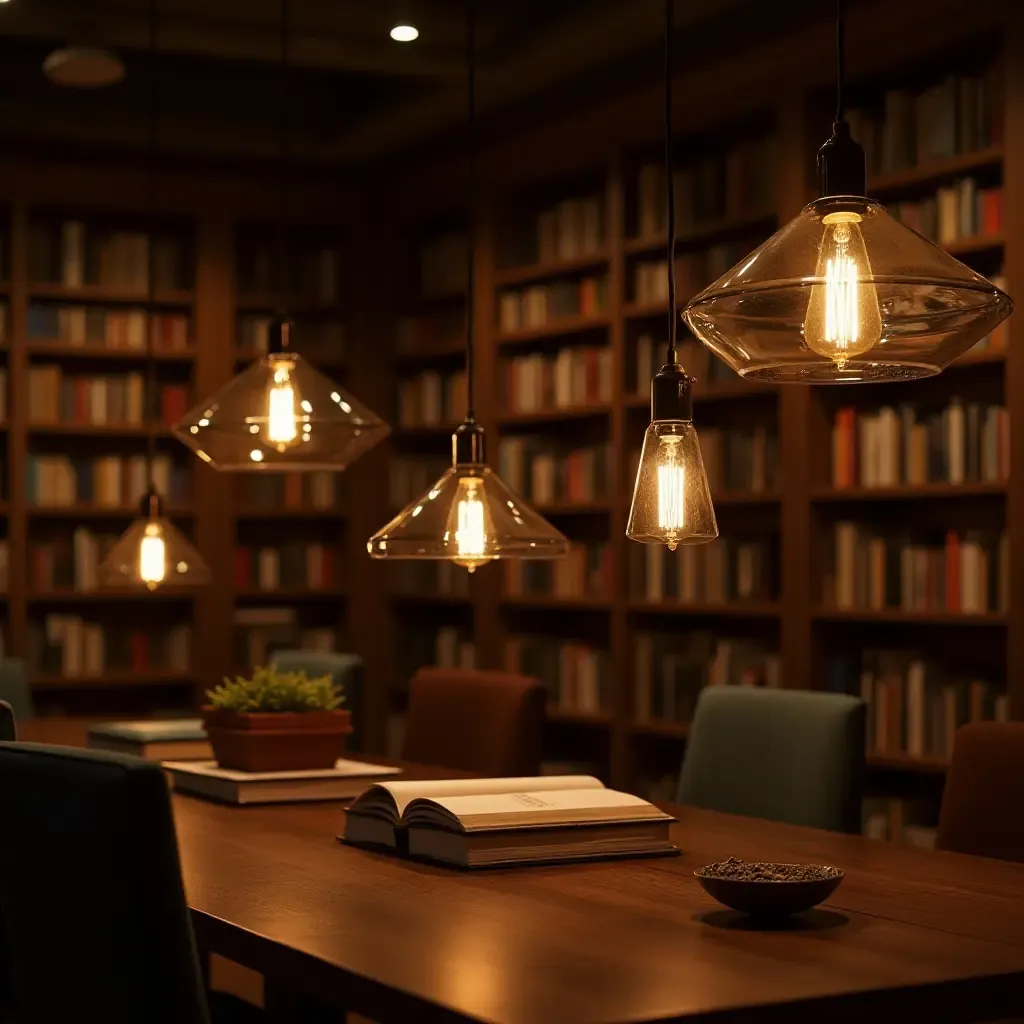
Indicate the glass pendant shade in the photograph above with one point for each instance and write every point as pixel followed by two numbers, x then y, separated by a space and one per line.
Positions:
pixel 153 554
pixel 281 413
pixel 469 517
pixel 671 499
pixel 845 293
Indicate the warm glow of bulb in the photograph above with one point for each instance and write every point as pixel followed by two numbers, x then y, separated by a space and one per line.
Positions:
pixel 282 419
pixel 671 497
pixel 843 318
pixel 405 33
pixel 471 529
pixel 152 556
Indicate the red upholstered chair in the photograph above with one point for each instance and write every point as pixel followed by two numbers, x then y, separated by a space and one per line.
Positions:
pixel 489 723
pixel 983 804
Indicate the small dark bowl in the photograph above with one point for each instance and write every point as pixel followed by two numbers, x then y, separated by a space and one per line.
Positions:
pixel 764 898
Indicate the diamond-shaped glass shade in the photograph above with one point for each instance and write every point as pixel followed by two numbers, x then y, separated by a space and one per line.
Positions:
pixel 153 554
pixel 844 293
pixel 671 499
pixel 470 517
pixel 280 413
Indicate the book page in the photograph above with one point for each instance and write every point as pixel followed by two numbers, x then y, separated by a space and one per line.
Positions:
pixel 511 810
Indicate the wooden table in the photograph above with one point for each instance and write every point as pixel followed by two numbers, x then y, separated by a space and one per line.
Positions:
pixel 910 934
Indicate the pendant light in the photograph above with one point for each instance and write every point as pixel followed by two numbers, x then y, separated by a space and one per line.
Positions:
pixel 152 552
pixel 281 413
pixel 844 293
pixel 671 500
pixel 469 516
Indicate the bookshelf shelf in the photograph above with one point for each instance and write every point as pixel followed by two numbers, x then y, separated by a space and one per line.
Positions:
pixel 101 293
pixel 455 600
pixel 733 610
pixel 545 271
pixel 908 763
pixel 931 173
pixel 262 302
pixel 578 412
pixel 577 508
pixel 917 492
pixel 285 596
pixel 555 329
pixel 671 730
pixel 100 511
pixel 109 680
pixel 566 604
pixel 98 430
pixel 974 244
pixel 106 596
pixel 702 234
pixel 63 350
pixel 589 719
pixel 275 514
pixel 897 615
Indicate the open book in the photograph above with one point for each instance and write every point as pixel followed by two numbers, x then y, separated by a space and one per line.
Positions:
pixel 482 822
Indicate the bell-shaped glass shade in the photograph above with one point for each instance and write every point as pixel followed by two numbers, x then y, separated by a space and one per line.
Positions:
pixel 469 517
pixel 153 553
pixel 280 413
pixel 844 293
pixel 671 499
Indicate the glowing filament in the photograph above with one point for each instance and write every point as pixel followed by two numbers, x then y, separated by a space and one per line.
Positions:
pixel 281 419
pixel 152 556
pixel 470 535
pixel 671 497
pixel 841 322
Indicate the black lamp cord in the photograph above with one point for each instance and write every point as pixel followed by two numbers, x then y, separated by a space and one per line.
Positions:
pixel 670 184
pixel 153 142
pixel 471 203
pixel 840 59
pixel 282 163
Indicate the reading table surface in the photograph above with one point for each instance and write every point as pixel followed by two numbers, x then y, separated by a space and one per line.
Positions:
pixel 911 934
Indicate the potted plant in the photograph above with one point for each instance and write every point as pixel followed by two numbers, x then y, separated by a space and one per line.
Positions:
pixel 276 721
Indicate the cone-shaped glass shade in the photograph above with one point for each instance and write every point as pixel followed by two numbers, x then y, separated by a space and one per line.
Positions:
pixel 671 499
pixel 845 293
pixel 469 517
pixel 153 553
pixel 280 413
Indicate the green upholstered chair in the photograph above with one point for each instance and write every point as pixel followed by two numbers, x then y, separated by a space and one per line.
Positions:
pixel 347 671
pixel 786 755
pixel 95 924
pixel 14 687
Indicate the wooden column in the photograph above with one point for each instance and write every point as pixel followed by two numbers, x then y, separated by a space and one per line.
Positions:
pixel 17 436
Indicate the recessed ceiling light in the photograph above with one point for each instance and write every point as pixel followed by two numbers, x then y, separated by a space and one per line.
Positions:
pixel 405 33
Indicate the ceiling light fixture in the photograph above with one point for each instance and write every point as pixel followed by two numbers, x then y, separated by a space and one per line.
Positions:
pixel 844 293
pixel 281 413
pixel 470 516
pixel 671 500
pixel 405 33
pixel 152 553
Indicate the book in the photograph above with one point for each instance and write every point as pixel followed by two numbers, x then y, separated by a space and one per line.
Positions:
pixel 345 781
pixel 175 739
pixel 486 822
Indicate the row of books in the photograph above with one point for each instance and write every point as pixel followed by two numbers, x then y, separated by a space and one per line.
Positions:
pixel 576 375
pixel 442 262
pixel 728 184
pixel 428 578
pixel 74 253
pixel 110 481
pixel 914 704
pixel 568 230
pixel 313 336
pixel 288 491
pixel 312 273
pixel 257 633
pixel 585 572
pixel 438 331
pixel 69 563
pixel 966 573
pixel 55 396
pixel 432 398
pixel 899 820
pixel 893 446
pixel 960 114
pixel 698 361
pixel 576 675
pixel 107 328
pixel 540 304
pixel 727 569
pixel 74 647
pixel 295 564
pixel 694 271
pixel 545 472
pixel 957 211
pixel 444 646
pixel 670 670
pixel 409 476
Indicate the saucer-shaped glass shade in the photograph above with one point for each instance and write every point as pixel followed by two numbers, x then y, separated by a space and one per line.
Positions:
pixel 469 517
pixel 280 413
pixel 153 554
pixel 844 293
pixel 671 500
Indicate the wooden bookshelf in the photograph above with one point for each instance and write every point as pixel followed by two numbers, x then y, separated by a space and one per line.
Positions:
pixel 557 328
pixel 546 271
pixel 937 171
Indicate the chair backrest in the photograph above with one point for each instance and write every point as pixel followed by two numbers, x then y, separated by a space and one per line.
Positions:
pixel 91 896
pixel 347 672
pixel 491 723
pixel 983 802
pixel 8 727
pixel 14 687
pixel 785 755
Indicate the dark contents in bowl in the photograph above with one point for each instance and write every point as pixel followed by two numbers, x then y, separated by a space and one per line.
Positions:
pixel 736 870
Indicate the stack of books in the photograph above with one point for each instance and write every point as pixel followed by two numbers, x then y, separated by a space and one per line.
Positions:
pixel 295 565
pixel 568 230
pixel 698 361
pixel 428 578
pixel 546 472
pixel 574 376
pixel 288 491
pixel 694 271
pixel 585 572
pixel 110 481
pixel 71 646
pixel 577 676
pixel 94 326
pixel 957 211
pixel 431 398
pixel 69 565
pixel 313 271
pixel 541 304
pixel 445 647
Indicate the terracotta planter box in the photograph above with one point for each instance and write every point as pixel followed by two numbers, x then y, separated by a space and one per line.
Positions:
pixel 277 741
